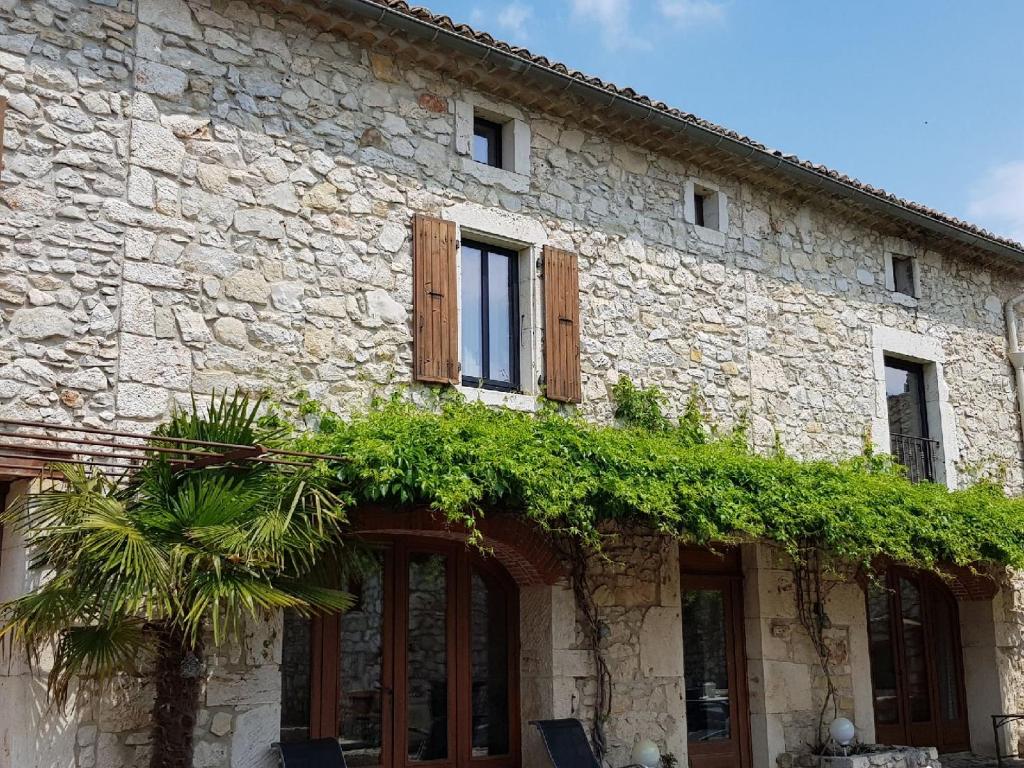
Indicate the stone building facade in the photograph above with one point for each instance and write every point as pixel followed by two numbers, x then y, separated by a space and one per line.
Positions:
pixel 200 195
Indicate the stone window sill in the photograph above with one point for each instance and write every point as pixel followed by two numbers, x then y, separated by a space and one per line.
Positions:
pixel 515 401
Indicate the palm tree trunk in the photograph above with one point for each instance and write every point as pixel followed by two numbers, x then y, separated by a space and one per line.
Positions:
pixel 177 699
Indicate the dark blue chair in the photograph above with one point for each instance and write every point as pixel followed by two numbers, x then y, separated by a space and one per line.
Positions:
pixel 318 753
pixel 567 744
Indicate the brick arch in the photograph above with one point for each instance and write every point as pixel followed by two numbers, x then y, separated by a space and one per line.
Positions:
pixel 521 548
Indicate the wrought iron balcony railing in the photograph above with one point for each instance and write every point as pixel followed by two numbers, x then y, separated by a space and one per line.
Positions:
pixel 917 454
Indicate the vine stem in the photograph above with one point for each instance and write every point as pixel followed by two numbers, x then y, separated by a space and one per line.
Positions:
pixel 810 604
pixel 577 555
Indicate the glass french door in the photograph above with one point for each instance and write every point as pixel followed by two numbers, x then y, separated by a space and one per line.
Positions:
pixel 916 662
pixel 422 671
pixel 714 660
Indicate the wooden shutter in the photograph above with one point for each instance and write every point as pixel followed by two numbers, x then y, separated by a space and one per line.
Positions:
pixel 435 303
pixel 562 326
pixel 3 116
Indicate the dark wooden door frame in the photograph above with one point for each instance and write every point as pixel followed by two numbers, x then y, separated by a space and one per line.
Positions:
pixel 946 735
pixel 326 652
pixel 703 569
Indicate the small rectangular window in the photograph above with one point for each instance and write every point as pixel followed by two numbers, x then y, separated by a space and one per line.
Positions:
pixel 489 312
pixel 487 142
pixel 698 209
pixel 903 274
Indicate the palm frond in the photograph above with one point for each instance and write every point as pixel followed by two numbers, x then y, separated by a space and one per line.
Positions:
pixel 99 652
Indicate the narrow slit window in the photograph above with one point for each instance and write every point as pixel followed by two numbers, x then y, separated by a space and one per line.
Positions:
pixel 487 142
pixel 903 275
pixel 490 317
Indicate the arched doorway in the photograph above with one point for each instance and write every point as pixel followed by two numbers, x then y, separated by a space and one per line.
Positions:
pixel 916 662
pixel 423 671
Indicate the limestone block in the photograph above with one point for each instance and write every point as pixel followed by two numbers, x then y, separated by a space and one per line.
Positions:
pixel 261 222
pixel 135 401
pixel 192 325
pixel 90 379
pixel 379 304
pixel 322 197
pixel 159 362
pixel 287 296
pixel 661 643
pixel 160 80
pixel 170 16
pixel 41 323
pixel 247 285
pixel 787 687
pixel 155 147
pixel 221 724
pixel 250 687
pixel 231 331
pixel 208 754
pixel 254 733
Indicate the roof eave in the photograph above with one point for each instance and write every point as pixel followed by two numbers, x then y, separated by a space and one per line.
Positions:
pixel 770 161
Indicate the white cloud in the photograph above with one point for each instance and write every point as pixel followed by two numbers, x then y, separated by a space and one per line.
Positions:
pixel 613 16
pixel 997 200
pixel 511 19
pixel 688 13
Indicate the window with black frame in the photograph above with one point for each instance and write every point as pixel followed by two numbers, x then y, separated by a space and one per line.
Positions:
pixel 489 316
pixel 487 147
pixel 909 437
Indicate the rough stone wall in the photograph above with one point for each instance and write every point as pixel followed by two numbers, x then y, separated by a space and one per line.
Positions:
pixel 209 194
pixel 636 591
pixel 66 70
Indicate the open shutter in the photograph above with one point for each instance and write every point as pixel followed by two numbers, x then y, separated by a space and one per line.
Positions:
pixel 435 304
pixel 562 326
pixel 3 117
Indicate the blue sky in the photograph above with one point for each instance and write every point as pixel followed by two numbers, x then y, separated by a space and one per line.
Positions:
pixel 922 97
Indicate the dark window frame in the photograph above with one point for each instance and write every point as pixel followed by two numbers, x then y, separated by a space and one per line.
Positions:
pixel 492 131
pixel 484 381
pixel 699 201
pixel 906 290
pixel 918 368
pixel 326 649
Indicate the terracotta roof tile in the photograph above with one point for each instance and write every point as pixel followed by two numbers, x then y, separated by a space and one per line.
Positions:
pixel 464 30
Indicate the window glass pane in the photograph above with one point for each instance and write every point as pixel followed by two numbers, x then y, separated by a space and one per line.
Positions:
pixel 481 148
pixel 943 627
pixel 470 314
pixel 698 209
pixel 914 650
pixel 427 670
pixel 489 660
pixel 903 275
pixel 487 142
pixel 883 656
pixel 705 665
pixel 362 649
pixel 500 317
pixel 903 387
pixel 295 678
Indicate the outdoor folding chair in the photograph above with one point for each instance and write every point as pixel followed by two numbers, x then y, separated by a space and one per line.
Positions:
pixel 568 745
pixel 319 753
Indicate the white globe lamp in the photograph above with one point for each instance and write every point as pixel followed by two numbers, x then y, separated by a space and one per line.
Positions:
pixel 842 731
pixel 646 753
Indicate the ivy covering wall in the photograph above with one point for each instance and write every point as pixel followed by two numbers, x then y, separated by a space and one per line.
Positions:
pixel 681 478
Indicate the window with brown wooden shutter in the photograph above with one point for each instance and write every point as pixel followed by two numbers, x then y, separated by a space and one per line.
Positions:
pixel 435 301
pixel 562 326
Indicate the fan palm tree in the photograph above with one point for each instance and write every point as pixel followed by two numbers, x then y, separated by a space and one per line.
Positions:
pixel 149 570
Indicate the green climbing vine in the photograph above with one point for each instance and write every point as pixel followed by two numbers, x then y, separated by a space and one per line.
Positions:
pixel 680 477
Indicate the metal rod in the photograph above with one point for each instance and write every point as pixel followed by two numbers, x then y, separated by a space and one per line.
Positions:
pixel 159 438
pixel 85 441
pixel 82 452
